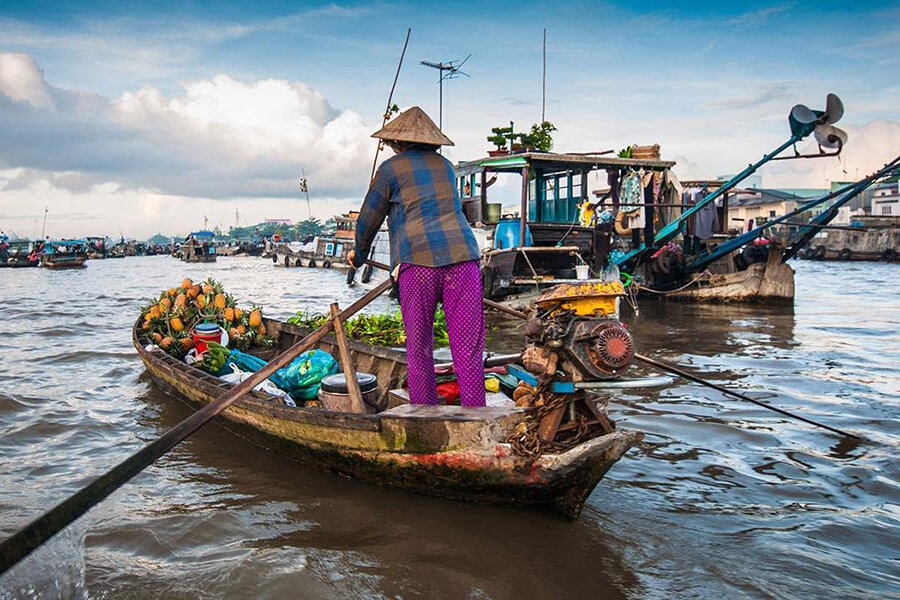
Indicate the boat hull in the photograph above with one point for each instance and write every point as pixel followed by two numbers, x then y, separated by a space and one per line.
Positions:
pixel 19 264
pixel 760 282
pixel 446 451
pixel 63 262
pixel 770 280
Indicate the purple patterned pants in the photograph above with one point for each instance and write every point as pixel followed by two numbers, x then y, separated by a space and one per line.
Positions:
pixel 458 288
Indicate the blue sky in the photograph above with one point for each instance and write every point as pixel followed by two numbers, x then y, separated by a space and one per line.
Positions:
pixel 134 118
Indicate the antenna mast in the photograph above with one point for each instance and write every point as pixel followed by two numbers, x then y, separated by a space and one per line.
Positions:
pixel 544 81
pixel 447 70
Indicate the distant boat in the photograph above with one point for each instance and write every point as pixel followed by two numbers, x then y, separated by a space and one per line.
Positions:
pixel 199 247
pixel 19 252
pixel 96 247
pixel 326 251
pixel 64 254
pixel 867 238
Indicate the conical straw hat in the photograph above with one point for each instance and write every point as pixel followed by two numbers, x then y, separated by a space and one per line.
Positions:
pixel 413 125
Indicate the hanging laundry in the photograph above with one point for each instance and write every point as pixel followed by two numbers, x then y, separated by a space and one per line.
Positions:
pixel 706 221
pixel 632 199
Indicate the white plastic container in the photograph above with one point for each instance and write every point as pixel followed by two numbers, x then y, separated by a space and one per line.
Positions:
pixel 581 271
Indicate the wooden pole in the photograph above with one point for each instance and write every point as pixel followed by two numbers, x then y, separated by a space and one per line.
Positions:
pixel 523 209
pixel 26 540
pixel 356 399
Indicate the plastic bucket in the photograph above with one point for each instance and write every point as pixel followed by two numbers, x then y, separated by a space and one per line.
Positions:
pixel 581 271
pixel 506 234
pixel 493 212
pixel 204 333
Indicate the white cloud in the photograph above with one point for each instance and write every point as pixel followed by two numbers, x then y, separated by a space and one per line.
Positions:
pixel 219 138
pixel 22 80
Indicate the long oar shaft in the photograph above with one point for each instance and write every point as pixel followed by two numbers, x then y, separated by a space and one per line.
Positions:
pixel 740 396
pixel 22 543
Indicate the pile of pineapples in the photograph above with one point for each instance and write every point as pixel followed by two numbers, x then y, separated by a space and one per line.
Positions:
pixel 169 319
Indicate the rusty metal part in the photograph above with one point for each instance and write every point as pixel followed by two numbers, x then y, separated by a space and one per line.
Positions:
pixel 582 299
pixel 599 350
pixel 539 360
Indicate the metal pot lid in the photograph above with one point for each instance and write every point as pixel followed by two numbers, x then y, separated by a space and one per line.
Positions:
pixel 338 383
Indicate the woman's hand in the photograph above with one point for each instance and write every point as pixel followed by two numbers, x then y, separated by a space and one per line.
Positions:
pixel 350 256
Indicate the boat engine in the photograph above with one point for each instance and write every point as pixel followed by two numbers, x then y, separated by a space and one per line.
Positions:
pixel 575 327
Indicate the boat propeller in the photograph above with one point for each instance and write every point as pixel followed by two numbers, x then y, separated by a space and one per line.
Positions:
pixel 820 123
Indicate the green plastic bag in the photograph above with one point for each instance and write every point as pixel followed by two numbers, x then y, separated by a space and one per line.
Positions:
pixel 302 377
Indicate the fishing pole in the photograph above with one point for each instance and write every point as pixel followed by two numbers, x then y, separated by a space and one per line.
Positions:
pixel 724 390
pixel 29 538
pixel 351 274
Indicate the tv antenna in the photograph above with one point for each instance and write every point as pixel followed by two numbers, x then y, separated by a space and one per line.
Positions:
pixel 447 70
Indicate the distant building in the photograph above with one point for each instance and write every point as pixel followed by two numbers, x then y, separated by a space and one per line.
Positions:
pixel 886 200
pixel 284 222
pixel 752 208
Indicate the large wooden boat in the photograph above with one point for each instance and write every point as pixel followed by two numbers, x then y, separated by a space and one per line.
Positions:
pixel 767 279
pixel 673 238
pixel 446 451
pixel 64 254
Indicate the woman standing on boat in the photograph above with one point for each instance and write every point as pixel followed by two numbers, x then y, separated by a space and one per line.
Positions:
pixel 438 257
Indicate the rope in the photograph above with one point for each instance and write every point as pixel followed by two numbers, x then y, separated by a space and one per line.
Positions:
pixel 705 275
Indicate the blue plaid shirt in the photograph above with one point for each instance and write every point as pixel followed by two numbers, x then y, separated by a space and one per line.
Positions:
pixel 416 191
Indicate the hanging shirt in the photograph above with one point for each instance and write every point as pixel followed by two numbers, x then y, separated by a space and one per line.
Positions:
pixel 632 199
pixel 706 221
pixel 416 191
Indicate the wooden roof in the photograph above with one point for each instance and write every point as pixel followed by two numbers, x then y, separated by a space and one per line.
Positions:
pixel 553 162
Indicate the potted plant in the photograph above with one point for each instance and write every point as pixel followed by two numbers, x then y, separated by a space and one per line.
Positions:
pixel 500 138
pixel 540 137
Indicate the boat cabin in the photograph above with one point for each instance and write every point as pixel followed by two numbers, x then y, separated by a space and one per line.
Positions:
pixel 551 237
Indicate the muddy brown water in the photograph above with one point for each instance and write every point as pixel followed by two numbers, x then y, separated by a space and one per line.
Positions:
pixel 722 499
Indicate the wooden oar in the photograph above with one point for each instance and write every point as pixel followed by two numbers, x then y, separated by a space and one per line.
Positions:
pixel 26 540
pixel 695 379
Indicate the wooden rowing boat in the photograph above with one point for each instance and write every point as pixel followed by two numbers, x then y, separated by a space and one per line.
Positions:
pixel 446 451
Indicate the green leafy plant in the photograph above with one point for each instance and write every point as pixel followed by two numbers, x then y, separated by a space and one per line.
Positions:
pixel 379 330
pixel 540 137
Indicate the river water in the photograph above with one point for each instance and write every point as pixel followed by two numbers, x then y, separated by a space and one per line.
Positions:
pixel 722 499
